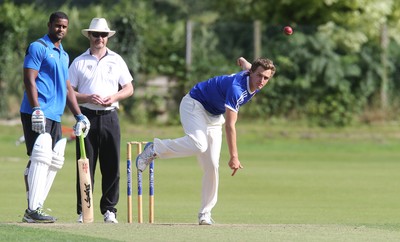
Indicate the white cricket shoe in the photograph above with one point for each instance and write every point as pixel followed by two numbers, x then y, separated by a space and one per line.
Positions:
pixel 80 219
pixel 205 219
pixel 109 217
pixel 144 158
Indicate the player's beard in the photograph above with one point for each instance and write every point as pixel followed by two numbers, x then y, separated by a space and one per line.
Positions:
pixel 55 37
pixel 60 36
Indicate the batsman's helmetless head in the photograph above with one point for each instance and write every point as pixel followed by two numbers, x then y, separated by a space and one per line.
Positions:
pixel 57 15
pixel 57 26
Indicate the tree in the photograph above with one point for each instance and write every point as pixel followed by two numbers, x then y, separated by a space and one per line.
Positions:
pixel 15 23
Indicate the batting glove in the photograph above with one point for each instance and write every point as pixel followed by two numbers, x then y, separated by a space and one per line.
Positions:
pixel 38 121
pixel 82 125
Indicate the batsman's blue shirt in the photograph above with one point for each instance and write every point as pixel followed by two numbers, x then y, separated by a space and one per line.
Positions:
pixel 51 82
pixel 220 92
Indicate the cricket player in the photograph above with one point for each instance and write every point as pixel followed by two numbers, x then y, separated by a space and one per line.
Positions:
pixel 202 113
pixel 47 91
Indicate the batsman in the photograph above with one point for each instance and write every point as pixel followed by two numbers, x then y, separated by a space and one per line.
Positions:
pixel 47 92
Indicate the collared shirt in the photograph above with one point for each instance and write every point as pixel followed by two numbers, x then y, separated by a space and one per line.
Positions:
pixel 221 92
pixel 92 76
pixel 52 66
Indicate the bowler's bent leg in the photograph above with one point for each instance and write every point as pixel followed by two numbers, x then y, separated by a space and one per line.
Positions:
pixel 194 122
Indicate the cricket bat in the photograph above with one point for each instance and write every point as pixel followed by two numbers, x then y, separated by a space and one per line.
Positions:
pixel 85 184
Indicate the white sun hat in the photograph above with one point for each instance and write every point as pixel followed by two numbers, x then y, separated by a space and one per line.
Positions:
pixel 98 25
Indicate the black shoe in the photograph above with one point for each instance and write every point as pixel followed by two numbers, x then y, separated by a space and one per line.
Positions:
pixel 37 216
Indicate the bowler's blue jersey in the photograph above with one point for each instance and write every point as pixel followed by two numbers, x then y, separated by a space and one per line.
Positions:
pixel 221 92
pixel 51 82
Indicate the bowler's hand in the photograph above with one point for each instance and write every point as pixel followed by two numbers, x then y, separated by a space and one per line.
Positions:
pixel 82 125
pixel 239 61
pixel 243 63
pixel 234 164
pixel 38 121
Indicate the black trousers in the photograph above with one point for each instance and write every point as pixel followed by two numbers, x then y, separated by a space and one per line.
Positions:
pixel 103 144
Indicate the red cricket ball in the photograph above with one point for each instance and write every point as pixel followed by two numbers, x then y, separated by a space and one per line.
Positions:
pixel 288 30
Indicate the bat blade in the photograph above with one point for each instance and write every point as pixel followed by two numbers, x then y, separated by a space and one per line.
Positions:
pixel 85 184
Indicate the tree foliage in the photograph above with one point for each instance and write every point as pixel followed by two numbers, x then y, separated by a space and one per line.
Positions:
pixel 340 61
pixel 14 23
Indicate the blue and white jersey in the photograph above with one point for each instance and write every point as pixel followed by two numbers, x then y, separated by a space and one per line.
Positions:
pixel 221 92
pixel 51 82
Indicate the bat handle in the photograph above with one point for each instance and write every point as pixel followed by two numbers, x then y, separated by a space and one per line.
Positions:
pixel 82 146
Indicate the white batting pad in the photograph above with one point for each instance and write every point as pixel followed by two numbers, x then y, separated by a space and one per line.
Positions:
pixel 57 163
pixel 37 174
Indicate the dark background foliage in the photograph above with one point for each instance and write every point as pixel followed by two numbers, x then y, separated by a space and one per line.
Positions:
pixel 339 67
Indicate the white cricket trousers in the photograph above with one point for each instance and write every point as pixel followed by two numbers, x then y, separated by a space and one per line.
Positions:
pixel 203 139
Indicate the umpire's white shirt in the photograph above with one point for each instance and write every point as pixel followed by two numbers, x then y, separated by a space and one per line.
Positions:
pixel 89 75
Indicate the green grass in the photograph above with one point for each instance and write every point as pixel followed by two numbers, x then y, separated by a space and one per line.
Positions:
pixel 298 184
